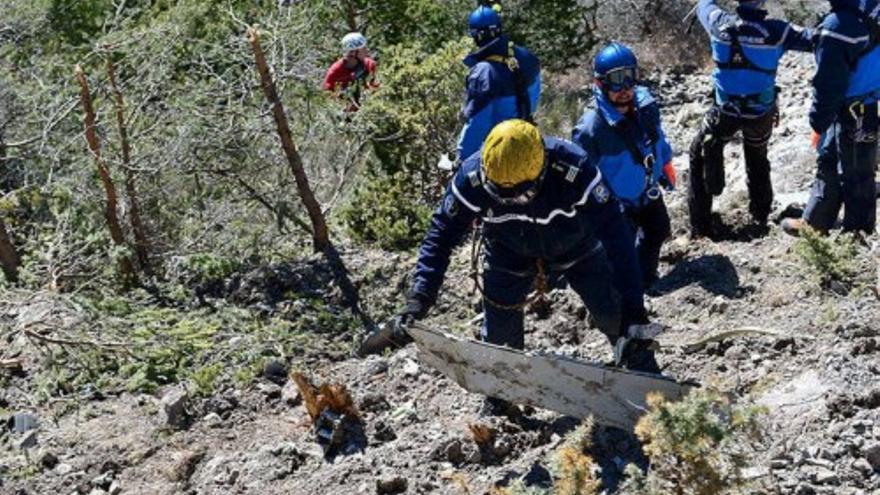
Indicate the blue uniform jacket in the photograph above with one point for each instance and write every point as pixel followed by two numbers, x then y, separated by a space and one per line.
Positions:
pixel 491 91
pixel 600 132
pixel 570 215
pixel 847 68
pixel 763 43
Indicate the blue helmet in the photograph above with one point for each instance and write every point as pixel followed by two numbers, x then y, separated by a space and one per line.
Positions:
pixel 615 67
pixel 484 24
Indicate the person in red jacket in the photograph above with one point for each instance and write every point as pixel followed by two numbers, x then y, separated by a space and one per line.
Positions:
pixel 353 73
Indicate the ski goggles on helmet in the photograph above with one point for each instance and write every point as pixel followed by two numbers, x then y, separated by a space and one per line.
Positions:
pixel 520 194
pixel 620 79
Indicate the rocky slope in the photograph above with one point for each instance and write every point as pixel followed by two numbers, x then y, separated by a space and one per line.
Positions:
pixel 815 364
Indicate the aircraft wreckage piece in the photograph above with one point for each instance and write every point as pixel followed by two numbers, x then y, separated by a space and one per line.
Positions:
pixel 615 397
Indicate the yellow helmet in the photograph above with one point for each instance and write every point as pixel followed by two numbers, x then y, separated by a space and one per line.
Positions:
pixel 513 153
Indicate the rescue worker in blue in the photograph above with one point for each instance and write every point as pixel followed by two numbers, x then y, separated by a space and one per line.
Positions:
pixel 746 47
pixel 843 116
pixel 504 81
pixel 544 208
pixel 622 131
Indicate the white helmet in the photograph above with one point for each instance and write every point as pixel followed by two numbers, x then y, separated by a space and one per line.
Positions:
pixel 353 41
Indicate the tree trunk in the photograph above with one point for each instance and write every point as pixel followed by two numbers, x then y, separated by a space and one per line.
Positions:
pixel 351 15
pixel 137 227
pixel 320 236
pixel 126 268
pixel 9 259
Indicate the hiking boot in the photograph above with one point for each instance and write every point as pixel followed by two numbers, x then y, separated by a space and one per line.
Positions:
pixel 493 406
pixel 793 226
pixel 638 355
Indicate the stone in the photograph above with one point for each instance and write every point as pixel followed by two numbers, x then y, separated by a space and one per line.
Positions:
pixel 410 368
pixel 376 366
pixel 103 481
pixel 825 477
pixel 373 402
pixel 276 372
pixel 63 469
pixel 872 454
pixel 29 440
pixel 48 460
pixel 719 306
pixel 863 466
pixel 24 422
pixel 290 394
pixel 391 485
pixel 173 408
pixel 212 420
pixel 454 453
pixel 779 463
pixel 270 390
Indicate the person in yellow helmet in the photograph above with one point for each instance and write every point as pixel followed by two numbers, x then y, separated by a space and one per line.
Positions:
pixel 541 202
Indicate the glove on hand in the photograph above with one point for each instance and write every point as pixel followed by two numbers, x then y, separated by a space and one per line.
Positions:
pixel 669 178
pixel 815 140
pixel 393 335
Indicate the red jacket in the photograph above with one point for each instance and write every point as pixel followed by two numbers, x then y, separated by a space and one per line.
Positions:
pixel 339 77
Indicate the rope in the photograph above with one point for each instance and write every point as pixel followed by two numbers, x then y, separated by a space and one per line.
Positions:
pixel 536 297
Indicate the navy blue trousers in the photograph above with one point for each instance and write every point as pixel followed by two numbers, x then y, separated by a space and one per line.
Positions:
pixel 845 176
pixel 590 277
pixel 651 226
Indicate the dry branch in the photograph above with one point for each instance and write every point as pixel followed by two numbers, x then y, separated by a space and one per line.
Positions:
pixel 137 227
pixel 110 212
pixel 320 235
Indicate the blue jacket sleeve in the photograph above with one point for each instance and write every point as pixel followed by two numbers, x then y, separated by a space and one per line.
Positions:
pixel 799 39
pixel 834 55
pixel 617 238
pixel 449 225
pixel 711 15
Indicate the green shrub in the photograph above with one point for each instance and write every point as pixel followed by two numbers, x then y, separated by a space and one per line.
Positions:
pixel 388 212
pixel 831 259
pixel 697 446
pixel 413 117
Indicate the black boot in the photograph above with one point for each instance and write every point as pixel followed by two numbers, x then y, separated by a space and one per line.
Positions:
pixel 638 355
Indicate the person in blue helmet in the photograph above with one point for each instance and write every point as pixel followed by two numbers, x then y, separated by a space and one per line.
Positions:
pixel 622 132
pixel 544 209
pixel 843 116
pixel 746 47
pixel 504 81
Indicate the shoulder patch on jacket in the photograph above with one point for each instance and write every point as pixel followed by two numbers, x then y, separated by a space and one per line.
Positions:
pixel 474 178
pixel 601 193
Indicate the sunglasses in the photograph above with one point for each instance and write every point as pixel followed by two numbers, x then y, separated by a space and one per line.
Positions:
pixel 520 194
pixel 620 79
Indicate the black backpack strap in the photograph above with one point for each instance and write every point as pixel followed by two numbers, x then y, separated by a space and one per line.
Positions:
pixel 523 104
pixel 738 58
pixel 624 129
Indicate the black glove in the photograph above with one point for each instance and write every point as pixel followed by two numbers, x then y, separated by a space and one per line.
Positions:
pixel 392 334
pixel 415 309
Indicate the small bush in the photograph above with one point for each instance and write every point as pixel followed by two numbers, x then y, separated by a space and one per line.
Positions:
pixel 696 446
pixel 574 472
pixel 831 259
pixel 387 212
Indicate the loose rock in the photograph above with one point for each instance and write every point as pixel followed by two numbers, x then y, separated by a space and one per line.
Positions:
pixel 174 408
pixel 391 486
